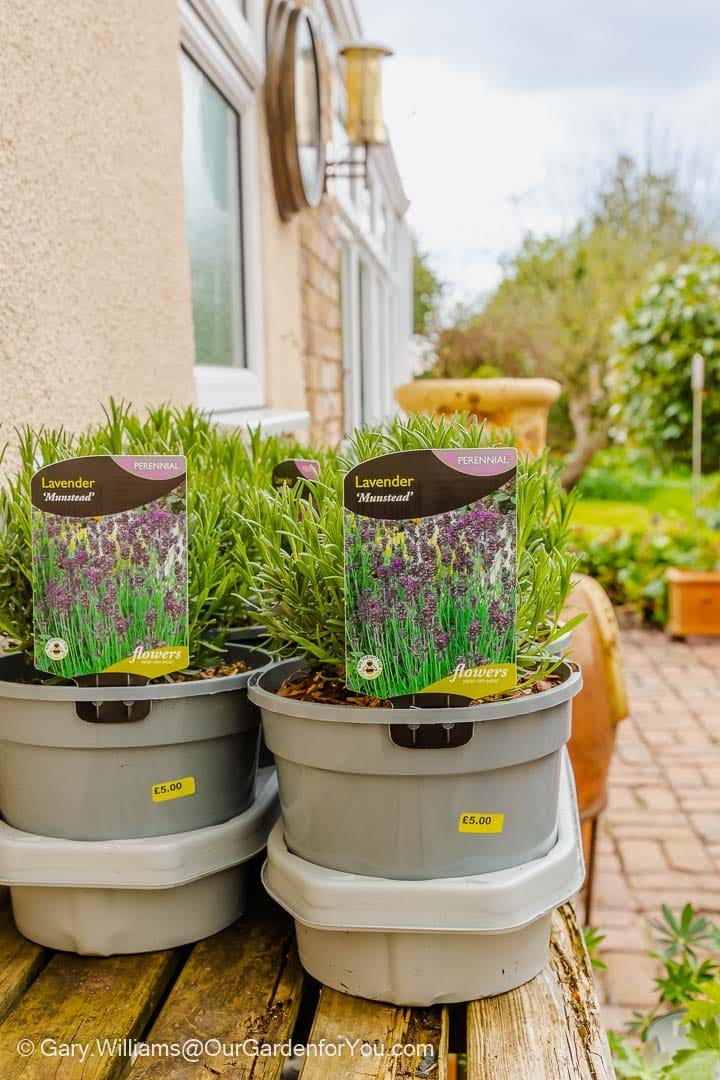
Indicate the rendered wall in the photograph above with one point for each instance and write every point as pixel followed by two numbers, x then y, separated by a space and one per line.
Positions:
pixel 94 278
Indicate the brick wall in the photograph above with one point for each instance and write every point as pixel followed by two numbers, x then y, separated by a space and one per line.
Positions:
pixel 320 286
pixel 322 340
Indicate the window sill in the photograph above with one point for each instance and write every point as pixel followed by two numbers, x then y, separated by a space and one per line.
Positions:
pixel 270 421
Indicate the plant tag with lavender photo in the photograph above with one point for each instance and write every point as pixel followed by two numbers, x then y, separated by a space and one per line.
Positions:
pixel 431 573
pixel 110 572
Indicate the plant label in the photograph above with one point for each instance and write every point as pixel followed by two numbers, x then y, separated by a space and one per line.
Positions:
pixel 431 573
pixel 302 471
pixel 110 577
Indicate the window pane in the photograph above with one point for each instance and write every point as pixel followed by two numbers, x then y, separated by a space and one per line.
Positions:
pixel 211 169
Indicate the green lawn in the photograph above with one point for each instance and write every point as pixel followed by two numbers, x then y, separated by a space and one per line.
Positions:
pixel 670 499
pixel 596 515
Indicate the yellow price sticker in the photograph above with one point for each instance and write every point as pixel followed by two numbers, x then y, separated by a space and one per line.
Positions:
pixel 173 789
pixel 481 823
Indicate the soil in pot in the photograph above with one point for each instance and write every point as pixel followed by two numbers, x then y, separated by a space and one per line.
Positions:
pixel 326 686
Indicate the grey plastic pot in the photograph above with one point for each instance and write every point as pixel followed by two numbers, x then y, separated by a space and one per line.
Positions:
pixel 105 763
pixel 383 792
pixel 247 635
pixel 439 940
pixel 257 637
pixel 562 644
pixel 126 896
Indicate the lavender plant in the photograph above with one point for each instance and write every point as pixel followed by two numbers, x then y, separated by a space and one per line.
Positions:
pixel 297 569
pixel 223 466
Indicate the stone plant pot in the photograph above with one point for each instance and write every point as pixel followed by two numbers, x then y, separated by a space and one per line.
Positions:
pixel 247 635
pixel 83 763
pixel 519 404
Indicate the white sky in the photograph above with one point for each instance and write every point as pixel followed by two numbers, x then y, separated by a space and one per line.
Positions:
pixel 502 113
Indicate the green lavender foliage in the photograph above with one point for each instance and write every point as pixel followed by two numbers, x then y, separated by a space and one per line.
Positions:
pixel 297 572
pixel 223 466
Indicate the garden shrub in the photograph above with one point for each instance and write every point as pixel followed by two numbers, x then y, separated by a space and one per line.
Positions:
pixel 630 564
pixel 678 316
pixel 619 474
pixel 687 947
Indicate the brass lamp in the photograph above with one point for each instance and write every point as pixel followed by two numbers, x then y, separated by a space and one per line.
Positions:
pixel 365 123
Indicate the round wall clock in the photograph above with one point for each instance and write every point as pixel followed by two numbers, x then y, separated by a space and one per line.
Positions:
pixel 294 108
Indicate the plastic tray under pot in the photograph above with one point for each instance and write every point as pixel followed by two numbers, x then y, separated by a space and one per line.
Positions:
pixel 425 943
pixel 417 793
pixel 66 771
pixel 129 896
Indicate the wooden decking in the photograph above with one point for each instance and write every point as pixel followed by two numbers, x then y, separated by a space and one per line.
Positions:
pixel 245 987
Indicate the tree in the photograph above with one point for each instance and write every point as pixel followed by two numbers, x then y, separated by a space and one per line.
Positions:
pixel 471 346
pixel 552 313
pixel 678 316
pixel 427 293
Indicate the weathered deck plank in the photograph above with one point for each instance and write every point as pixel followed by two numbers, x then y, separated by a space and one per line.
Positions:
pixel 243 984
pixel 75 1001
pixel 247 984
pixel 365 1033
pixel 20 959
pixel 549 1028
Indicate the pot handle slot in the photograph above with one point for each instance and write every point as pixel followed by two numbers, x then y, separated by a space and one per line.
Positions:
pixel 430 736
pixel 112 712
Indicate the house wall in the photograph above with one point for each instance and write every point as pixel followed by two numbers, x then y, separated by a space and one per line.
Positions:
pixel 323 362
pixel 282 287
pixel 94 278
pixel 94 271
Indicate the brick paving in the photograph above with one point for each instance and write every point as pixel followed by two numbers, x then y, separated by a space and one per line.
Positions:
pixel 659 839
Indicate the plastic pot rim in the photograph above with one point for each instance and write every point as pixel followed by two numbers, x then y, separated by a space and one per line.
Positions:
pixel 151 692
pixel 271 701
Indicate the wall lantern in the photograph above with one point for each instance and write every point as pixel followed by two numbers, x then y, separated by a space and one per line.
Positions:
pixel 365 123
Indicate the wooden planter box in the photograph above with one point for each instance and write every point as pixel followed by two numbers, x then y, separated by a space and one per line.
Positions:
pixel 693 602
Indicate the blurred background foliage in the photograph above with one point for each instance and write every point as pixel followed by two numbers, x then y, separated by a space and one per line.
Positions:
pixel 592 307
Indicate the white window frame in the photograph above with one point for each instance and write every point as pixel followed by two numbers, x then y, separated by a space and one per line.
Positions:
pixel 384 322
pixel 229 50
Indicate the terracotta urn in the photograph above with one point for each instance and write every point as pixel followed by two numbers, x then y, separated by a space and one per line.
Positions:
pixel 519 404
pixel 597 709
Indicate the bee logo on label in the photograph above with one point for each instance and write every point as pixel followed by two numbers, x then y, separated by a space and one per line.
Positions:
pixel 369 667
pixel 56 648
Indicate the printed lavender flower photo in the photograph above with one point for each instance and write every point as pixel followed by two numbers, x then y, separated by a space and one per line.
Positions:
pixel 106 586
pixel 426 594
